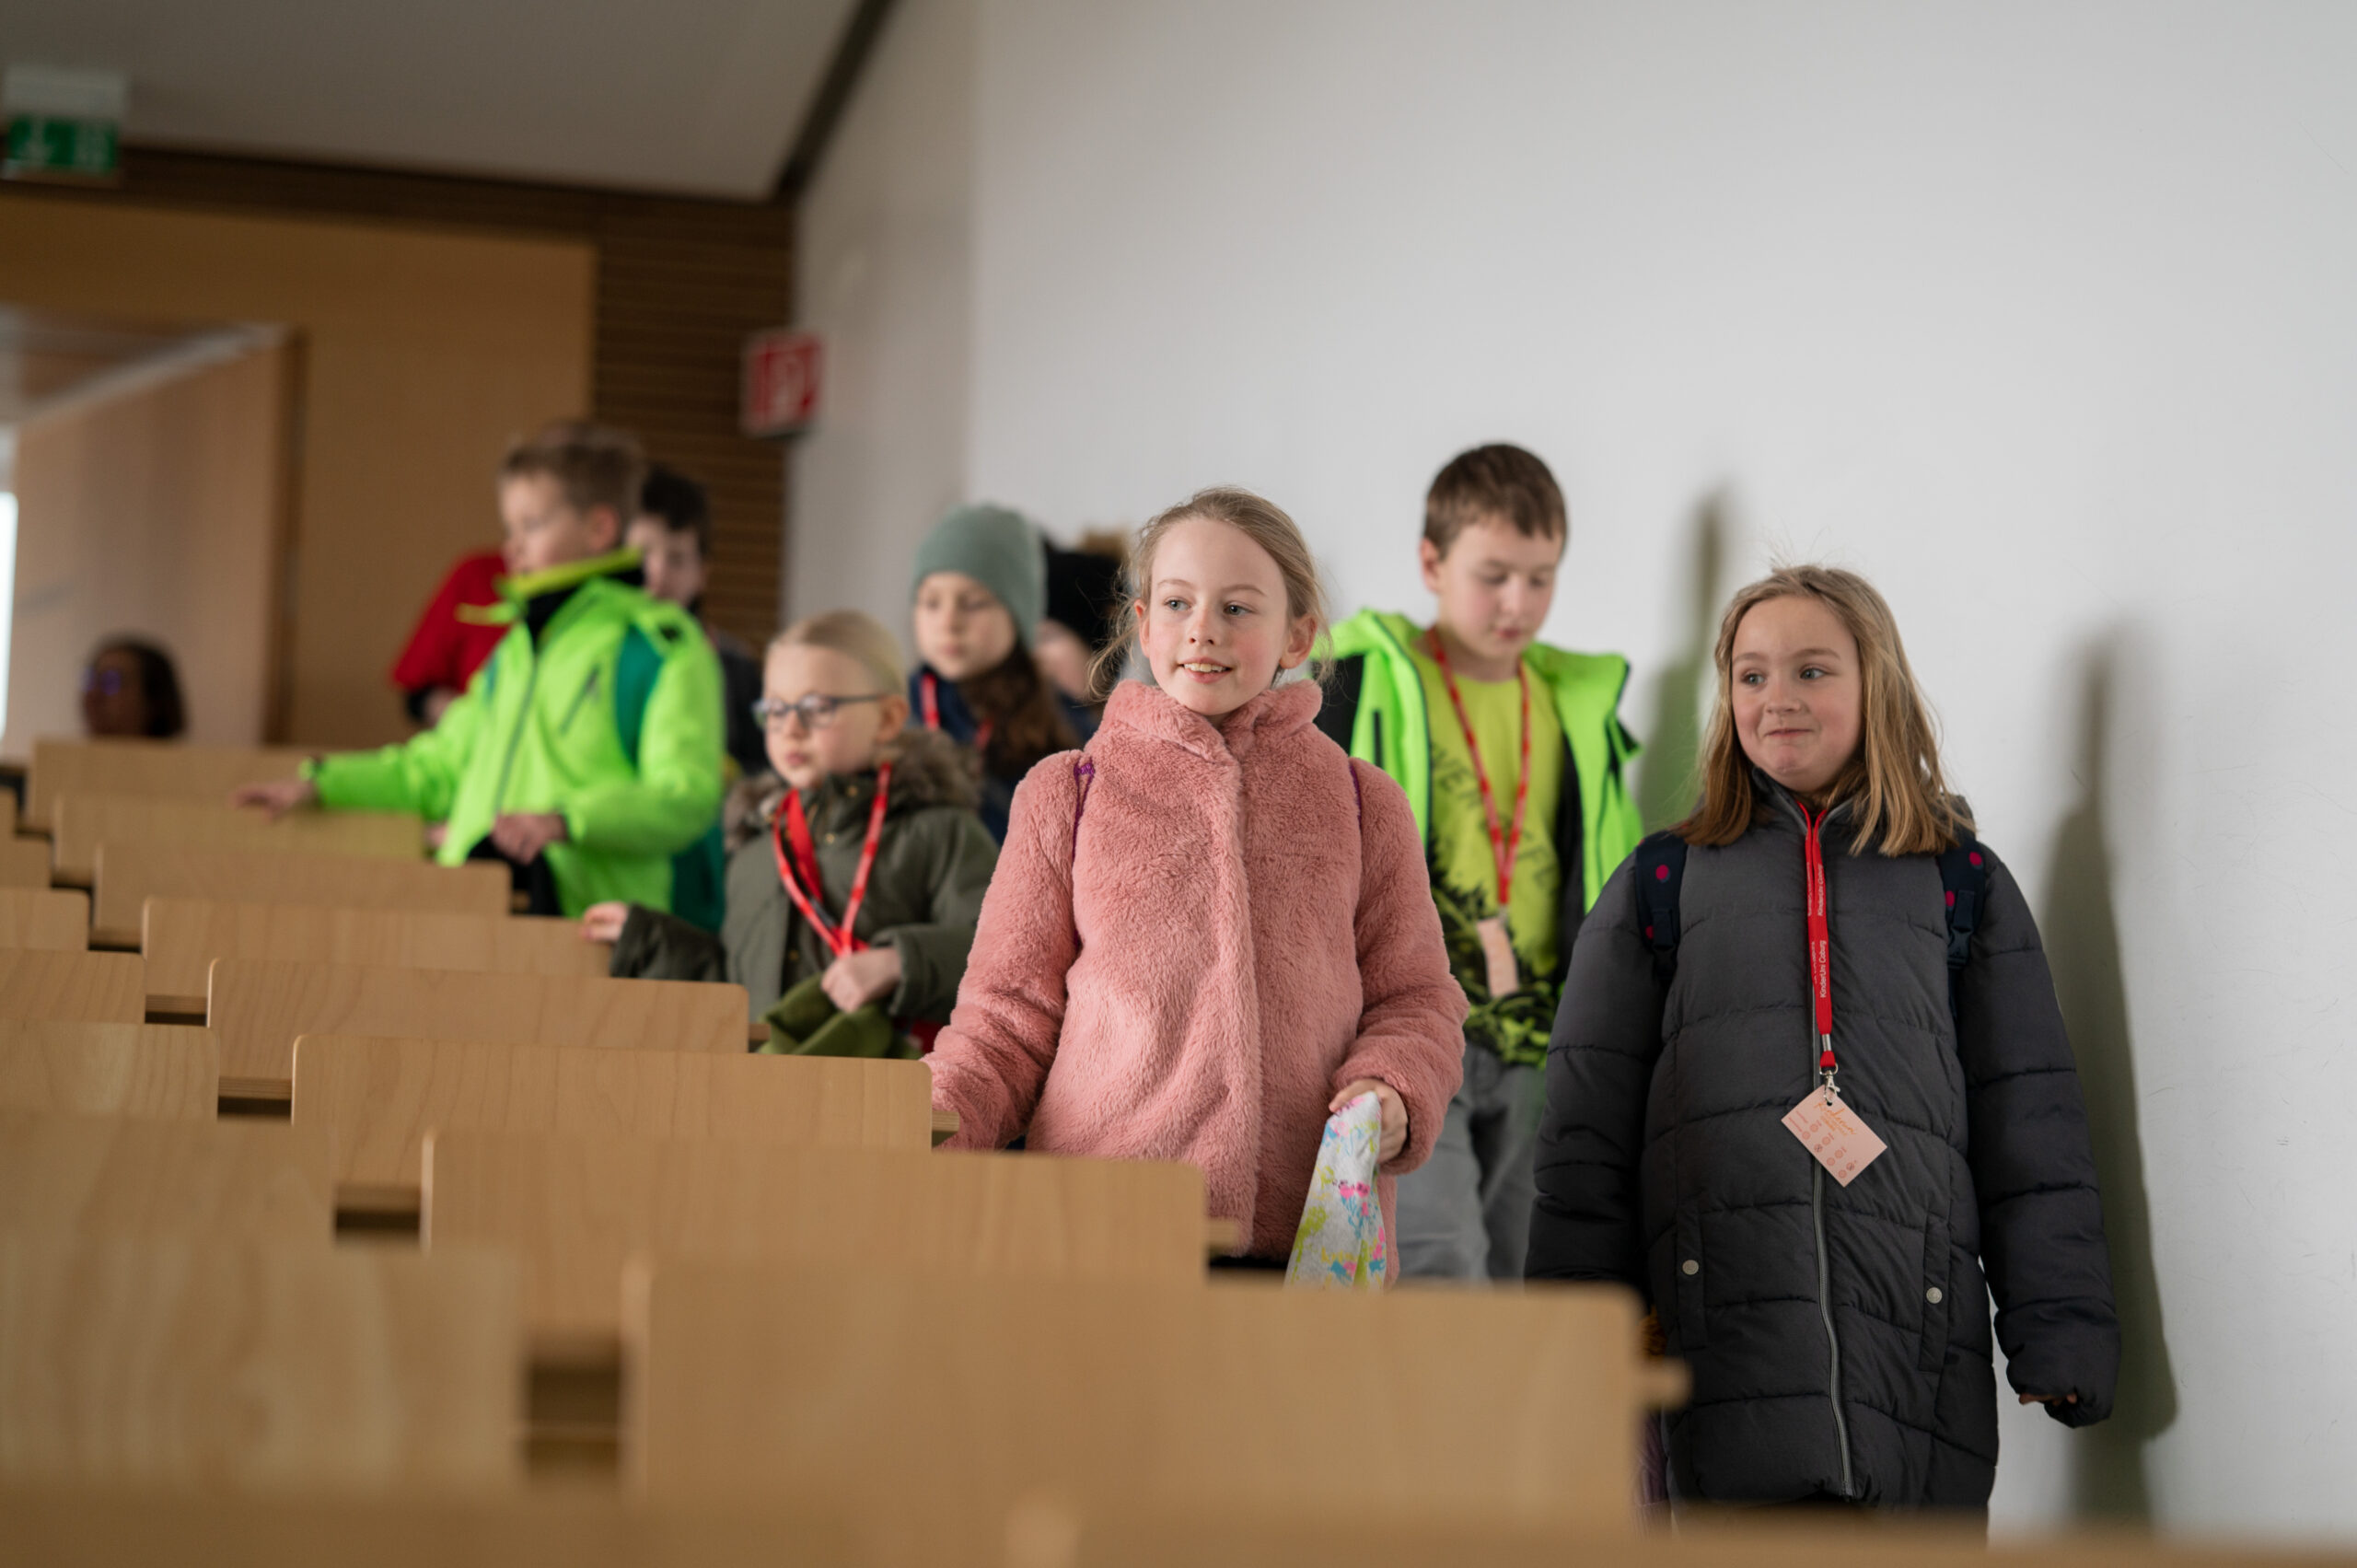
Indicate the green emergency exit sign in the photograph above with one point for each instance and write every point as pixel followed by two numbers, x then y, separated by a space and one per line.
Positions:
pixel 62 125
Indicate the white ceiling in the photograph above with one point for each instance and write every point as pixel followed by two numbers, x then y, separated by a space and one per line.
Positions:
pixel 693 97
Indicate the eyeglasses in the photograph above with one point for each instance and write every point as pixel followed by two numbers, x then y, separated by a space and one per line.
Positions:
pixel 818 712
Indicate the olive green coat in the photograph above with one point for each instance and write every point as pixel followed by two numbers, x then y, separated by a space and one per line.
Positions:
pixel 932 868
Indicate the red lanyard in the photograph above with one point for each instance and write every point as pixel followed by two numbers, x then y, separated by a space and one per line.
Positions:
pixel 1820 940
pixel 792 824
pixel 1503 845
pixel 929 696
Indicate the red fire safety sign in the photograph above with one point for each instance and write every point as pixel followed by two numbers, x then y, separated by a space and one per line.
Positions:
pixel 781 394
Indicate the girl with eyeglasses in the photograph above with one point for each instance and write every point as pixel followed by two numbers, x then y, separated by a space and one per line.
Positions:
pixel 857 867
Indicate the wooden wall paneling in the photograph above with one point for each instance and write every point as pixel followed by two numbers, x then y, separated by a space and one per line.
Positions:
pixel 193 1365
pixel 24 863
pixel 168 770
pixel 574 1208
pixel 380 1096
pixel 79 823
pixel 84 988
pixel 58 921
pixel 181 937
pixel 144 1070
pixel 259 1009
pixel 1082 1388
pixel 129 875
pixel 128 1178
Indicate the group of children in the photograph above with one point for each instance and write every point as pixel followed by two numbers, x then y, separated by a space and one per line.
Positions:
pixel 1259 865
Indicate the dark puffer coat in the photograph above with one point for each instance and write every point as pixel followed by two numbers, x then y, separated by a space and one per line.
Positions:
pixel 1839 1337
pixel 933 865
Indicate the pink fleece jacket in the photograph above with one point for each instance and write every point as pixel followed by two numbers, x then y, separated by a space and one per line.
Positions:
pixel 1232 929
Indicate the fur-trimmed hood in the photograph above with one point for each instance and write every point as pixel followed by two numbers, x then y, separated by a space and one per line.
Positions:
pixel 928 769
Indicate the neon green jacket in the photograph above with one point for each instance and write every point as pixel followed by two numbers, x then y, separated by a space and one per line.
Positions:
pixel 1375 708
pixel 613 720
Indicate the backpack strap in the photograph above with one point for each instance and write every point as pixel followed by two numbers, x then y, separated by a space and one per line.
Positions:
pixel 1963 887
pixel 1660 871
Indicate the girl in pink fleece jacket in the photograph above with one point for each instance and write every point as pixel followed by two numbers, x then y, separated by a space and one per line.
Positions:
pixel 1211 928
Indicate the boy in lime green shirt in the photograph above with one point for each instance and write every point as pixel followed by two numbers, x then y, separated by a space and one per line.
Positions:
pixel 587 751
pixel 1514 760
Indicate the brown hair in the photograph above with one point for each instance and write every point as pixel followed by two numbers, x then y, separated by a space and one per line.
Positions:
pixel 1262 521
pixel 594 465
pixel 1903 804
pixel 856 635
pixel 1496 480
pixel 1026 722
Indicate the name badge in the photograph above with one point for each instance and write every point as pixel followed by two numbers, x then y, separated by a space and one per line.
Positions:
pixel 1829 1128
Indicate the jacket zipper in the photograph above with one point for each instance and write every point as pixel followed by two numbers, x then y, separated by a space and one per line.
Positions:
pixel 515 737
pixel 582 696
pixel 1825 1297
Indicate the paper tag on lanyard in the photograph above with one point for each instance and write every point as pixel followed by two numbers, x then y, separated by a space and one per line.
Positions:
pixel 1497 952
pixel 1504 974
pixel 1826 1126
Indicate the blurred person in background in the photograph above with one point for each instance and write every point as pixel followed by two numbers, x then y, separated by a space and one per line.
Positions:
pixel 448 645
pixel 1084 607
pixel 130 689
pixel 672 533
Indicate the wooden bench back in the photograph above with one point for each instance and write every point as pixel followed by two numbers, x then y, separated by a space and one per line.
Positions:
pixel 575 1208
pixel 80 823
pixel 24 863
pixel 259 1008
pixel 87 1177
pixel 84 988
pixel 129 875
pixel 380 1096
pixel 1500 1406
pixel 192 1364
pixel 181 937
pixel 163 1071
pixel 148 767
pixel 53 920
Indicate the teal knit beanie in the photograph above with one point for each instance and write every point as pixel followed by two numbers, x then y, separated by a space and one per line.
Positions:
pixel 997 549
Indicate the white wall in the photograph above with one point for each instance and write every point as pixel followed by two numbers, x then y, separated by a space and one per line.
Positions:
pixel 2042 315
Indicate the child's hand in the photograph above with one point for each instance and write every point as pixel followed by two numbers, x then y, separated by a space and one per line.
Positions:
pixel 855 979
pixel 277 797
pixel 603 922
pixel 521 835
pixel 2050 1399
pixel 1395 1111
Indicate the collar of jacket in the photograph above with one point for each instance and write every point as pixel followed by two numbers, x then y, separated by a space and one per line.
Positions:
pixel 515 593
pixel 1157 715
pixel 1789 804
pixel 928 769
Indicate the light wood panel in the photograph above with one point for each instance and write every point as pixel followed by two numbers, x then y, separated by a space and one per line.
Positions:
pixel 53 920
pixel 144 1070
pixel 190 1364
pixel 24 863
pixel 260 1008
pixel 182 936
pixel 84 988
pixel 164 768
pixel 424 351
pixel 129 875
pixel 380 1096
pixel 1305 1400
pixel 575 1208
pixel 218 1181
pixel 79 823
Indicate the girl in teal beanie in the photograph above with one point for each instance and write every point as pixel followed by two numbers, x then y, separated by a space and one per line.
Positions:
pixel 979 587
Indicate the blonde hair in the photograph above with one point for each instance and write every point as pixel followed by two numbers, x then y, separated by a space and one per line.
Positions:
pixel 1257 518
pixel 1902 803
pixel 855 634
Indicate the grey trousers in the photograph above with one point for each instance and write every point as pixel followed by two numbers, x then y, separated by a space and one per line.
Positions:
pixel 1465 1213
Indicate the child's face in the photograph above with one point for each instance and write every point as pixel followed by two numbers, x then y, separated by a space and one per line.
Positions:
pixel 1495 586
pixel 1063 657
pixel 114 696
pixel 543 530
pixel 801 752
pixel 673 564
pixel 1213 621
pixel 962 629
pixel 1798 692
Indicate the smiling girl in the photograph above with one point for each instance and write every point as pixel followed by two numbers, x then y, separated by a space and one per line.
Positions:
pixel 1802 1101
pixel 1211 928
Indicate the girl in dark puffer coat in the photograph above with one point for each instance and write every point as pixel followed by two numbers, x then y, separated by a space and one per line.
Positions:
pixel 1839 1332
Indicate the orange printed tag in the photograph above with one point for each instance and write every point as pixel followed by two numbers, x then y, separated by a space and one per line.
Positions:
pixel 1829 1128
pixel 1497 950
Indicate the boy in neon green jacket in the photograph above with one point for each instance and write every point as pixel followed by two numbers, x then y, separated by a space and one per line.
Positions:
pixel 589 744
pixel 1514 757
